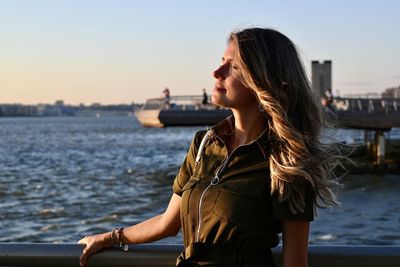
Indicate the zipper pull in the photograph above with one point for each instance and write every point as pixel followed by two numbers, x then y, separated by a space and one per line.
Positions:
pixel 215 180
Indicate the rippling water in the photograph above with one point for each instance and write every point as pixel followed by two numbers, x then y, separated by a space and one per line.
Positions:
pixel 63 178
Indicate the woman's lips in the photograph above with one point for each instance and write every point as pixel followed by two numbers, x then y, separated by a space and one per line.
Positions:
pixel 220 89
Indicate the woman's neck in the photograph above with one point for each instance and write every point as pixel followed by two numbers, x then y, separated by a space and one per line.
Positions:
pixel 248 126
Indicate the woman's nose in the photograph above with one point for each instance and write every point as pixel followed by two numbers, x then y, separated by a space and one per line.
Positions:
pixel 218 73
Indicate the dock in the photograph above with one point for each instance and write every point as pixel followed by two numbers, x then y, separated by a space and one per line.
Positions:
pixel 356 113
pixel 380 114
pixel 376 114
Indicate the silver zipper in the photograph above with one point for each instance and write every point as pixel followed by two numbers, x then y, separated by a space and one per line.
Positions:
pixel 215 180
pixel 200 203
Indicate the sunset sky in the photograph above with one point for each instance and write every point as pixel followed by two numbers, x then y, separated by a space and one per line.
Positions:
pixel 127 51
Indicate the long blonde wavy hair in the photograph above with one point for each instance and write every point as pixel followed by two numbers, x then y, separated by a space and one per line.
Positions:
pixel 271 66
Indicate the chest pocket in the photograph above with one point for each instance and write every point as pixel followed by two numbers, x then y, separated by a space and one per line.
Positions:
pixel 240 201
pixel 187 191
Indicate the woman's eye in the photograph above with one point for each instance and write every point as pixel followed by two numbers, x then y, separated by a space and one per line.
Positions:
pixel 235 67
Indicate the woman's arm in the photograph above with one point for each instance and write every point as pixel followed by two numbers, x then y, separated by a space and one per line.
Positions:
pixel 158 227
pixel 295 243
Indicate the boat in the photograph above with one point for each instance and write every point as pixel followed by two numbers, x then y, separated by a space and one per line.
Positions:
pixel 184 110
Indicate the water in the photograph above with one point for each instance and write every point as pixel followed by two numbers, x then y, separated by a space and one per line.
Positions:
pixel 63 178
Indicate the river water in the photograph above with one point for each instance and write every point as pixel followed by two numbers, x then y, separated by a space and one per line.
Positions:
pixel 63 178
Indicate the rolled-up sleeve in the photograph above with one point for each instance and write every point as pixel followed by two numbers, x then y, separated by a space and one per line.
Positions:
pixel 281 210
pixel 186 169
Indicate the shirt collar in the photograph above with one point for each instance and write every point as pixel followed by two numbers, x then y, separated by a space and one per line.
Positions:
pixel 225 129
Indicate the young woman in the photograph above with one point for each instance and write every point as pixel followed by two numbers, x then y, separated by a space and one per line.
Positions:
pixel 258 173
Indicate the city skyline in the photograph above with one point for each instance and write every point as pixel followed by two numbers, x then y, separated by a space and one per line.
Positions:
pixel 114 52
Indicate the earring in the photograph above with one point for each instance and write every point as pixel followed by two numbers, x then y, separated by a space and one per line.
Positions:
pixel 262 110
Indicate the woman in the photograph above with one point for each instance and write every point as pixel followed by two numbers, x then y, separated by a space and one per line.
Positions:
pixel 259 172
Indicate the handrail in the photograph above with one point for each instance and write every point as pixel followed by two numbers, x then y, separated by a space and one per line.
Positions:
pixel 176 100
pixel 40 254
pixel 368 105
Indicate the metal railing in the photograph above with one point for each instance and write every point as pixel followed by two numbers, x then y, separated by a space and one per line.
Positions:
pixel 14 254
pixel 369 105
pixel 178 102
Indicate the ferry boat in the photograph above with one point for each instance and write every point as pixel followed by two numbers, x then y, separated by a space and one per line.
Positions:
pixel 186 110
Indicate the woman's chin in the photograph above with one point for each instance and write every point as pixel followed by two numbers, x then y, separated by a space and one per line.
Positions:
pixel 216 100
pixel 221 100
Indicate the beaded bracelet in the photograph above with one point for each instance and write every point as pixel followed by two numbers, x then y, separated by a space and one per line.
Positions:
pixel 113 236
pixel 119 241
pixel 121 244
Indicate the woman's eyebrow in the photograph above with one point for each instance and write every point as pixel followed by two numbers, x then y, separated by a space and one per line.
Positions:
pixel 226 59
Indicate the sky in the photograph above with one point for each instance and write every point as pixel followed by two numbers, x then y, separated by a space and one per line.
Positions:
pixel 119 52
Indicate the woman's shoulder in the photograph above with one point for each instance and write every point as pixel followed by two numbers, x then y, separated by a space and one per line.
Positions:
pixel 201 133
pixel 198 136
pixel 196 141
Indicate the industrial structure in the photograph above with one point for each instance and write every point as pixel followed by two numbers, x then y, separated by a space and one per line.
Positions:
pixel 321 74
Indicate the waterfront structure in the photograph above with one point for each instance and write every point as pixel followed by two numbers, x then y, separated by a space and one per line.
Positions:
pixel 321 75
pixel 377 114
pixel 357 113
pixel 18 110
pixel 368 95
pixel 393 92
pixel 181 111
pixel 60 109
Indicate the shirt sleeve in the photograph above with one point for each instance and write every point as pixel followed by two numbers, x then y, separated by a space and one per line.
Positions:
pixel 186 169
pixel 281 210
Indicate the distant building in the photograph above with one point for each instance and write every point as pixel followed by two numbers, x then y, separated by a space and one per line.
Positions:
pixel 59 103
pixel 393 92
pixel 321 77
pixel 95 105
pixel 18 110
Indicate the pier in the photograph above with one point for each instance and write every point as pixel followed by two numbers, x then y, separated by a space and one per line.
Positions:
pixel 376 114
pixel 357 113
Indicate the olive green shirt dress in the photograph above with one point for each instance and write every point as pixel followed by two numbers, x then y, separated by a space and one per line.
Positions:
pixel 228 215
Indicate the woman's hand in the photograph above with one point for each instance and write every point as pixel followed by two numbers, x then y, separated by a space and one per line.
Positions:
pixel 155 228
pixel 93 244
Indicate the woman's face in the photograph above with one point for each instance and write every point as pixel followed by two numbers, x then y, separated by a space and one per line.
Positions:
pixel 229 91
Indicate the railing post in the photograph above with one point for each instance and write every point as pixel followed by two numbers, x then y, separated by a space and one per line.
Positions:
pixel 380 147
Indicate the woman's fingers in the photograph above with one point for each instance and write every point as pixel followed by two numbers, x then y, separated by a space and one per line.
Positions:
pixel 83 258
pixel 82 241
pixel 92 245
pixel 85 252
